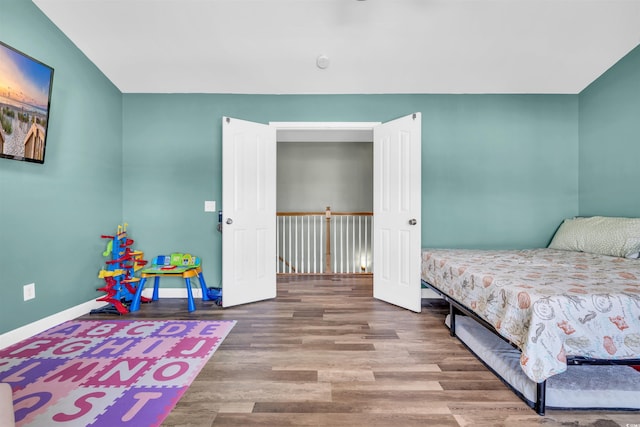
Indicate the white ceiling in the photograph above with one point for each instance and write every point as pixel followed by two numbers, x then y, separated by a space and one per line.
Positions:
pixel 374 46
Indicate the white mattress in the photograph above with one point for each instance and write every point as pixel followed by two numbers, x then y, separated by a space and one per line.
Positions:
pixel 581 386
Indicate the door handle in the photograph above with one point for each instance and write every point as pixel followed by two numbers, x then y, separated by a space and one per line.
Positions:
pixel 229 221
pixel 413 221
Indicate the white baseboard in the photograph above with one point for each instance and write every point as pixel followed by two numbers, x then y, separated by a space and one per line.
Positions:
pixel 9 338
pixel 26 331
pixel 172 292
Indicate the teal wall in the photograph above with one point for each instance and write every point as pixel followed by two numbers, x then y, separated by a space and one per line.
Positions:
pixel 52 215
pixel 499 171
pixel 610 141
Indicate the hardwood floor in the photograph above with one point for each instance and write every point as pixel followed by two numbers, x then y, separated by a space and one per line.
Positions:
pixel 325 353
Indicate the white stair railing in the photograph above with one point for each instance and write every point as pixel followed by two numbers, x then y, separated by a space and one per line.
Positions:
pixel 324 242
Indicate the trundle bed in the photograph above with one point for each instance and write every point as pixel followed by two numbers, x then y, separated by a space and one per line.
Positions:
pixel 528 314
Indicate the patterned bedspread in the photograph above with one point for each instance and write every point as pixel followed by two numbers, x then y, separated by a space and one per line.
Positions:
pixel 549 303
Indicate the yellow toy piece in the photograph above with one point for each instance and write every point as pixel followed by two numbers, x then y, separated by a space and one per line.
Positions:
pixel 187 259
pixel 106 273
pixel 138 258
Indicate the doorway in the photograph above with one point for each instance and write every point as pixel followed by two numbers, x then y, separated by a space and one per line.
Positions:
pixel 324 202
pixel 248 197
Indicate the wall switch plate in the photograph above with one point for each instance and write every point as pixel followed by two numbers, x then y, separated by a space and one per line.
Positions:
pixel 29 291
pixel 209 205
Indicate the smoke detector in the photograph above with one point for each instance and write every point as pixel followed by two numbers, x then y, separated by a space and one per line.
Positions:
pixel 322 62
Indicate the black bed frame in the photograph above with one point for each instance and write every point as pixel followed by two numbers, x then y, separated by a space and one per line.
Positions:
pixel 455 307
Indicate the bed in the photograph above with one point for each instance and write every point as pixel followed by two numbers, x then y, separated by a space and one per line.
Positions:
pixel 568 304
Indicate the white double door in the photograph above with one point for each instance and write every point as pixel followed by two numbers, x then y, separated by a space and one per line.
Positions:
pixel 249 211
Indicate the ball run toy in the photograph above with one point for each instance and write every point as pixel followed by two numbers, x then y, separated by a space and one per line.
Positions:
pixel 119 273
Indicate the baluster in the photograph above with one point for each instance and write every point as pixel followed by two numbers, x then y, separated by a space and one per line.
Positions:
pixel 289 258
pixel 336 236
pixel 302 258
pixel 322 243
pixel 360 244
pixel 354 266
pixel 366 246
pixel 341 246
pixel 346 237
pixel 334 232
pixel 350 246
pixel 308 244
pixel 328 238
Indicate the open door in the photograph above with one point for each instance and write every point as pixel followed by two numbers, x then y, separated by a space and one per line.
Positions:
pixel 396 211
pixel 249 212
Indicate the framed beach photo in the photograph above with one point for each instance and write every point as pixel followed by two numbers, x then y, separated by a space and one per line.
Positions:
pixel 25 99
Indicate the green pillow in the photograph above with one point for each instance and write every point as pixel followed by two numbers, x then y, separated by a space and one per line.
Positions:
pixel 613 236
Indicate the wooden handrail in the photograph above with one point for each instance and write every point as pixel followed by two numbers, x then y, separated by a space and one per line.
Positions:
pixel 323 213
pixel 298 213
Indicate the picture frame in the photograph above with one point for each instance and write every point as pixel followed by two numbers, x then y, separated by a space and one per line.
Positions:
pixel 25 100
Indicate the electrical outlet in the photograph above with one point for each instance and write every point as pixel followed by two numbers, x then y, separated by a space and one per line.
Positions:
pixel 29 291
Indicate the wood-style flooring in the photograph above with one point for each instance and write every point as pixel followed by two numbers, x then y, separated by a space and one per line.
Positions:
pixel 325 353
